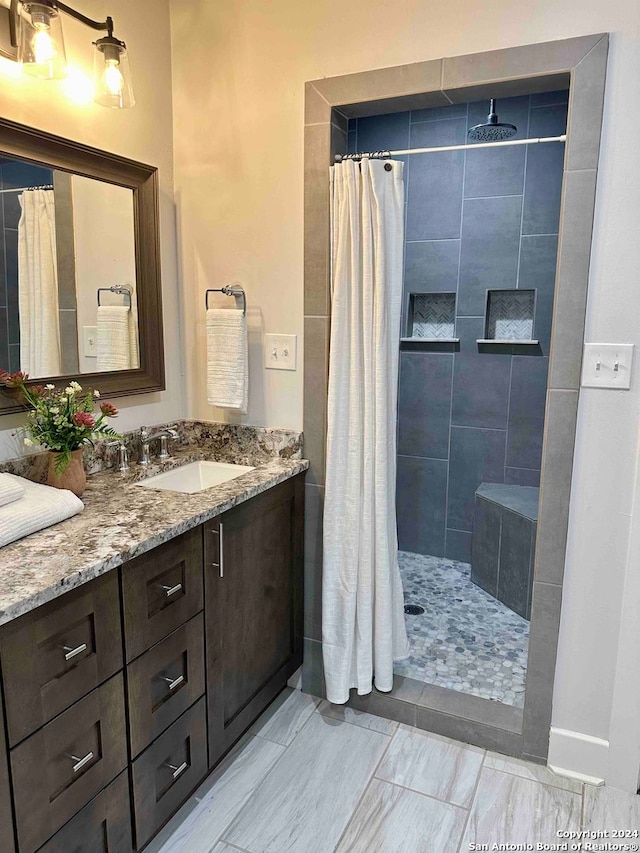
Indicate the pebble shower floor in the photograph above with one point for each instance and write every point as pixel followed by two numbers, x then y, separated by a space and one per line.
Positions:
pixel 465 640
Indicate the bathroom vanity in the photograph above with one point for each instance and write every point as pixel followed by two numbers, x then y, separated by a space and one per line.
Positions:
pixel 121 693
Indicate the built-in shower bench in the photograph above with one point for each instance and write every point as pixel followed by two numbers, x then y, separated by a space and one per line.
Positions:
pixel 503 543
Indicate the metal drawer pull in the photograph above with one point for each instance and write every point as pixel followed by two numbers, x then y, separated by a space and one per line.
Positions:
pixel 171 590
pixel 71 653
pixel 81 762
pixel 177 770
pixel 172 683
pixel 221 550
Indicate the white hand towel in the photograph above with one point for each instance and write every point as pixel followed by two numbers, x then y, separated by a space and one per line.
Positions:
pixel 117 338
pixel 227 359
pixel 10 491
pixel 40 507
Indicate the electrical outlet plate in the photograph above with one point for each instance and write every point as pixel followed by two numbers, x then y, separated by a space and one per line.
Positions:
pixel 607 366
pixel 90 341
pixel 280 352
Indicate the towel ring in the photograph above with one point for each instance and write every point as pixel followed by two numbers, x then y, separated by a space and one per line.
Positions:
pixel 234 289
pixel 122 289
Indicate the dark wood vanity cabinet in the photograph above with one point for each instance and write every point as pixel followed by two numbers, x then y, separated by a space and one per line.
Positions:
pixel 6 818
pixel 253 592
pixel 120 696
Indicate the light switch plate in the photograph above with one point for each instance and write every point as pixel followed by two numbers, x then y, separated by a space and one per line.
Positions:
pixel 280 352
pixel 90 341
pixel 607 366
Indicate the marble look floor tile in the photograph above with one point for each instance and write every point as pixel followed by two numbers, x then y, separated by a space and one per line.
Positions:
pixel 609 808
pixel 394 820
pixel 284 718
pixel 432 765
pixel 357 718
pixel 223 847
pixel 508 809
pixel 199 824
pixel 309 797
pixel 529 770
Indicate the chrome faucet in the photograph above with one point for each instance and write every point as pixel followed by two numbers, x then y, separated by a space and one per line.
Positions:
pixel 123 456
pixel 147 437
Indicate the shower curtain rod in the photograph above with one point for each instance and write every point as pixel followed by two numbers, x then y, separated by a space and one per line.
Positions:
pixel 384 154
pixel 27 189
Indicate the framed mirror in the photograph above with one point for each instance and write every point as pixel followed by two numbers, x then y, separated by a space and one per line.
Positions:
pixel 80 285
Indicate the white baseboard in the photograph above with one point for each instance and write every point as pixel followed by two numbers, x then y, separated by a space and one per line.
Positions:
pixel 578 756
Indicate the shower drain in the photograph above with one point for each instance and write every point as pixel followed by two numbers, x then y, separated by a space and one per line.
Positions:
pixel 413 609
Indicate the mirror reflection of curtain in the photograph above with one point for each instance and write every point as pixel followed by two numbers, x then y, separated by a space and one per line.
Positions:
pixel 38 285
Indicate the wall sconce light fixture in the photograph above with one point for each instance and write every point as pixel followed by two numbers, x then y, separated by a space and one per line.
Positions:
pixel 35 39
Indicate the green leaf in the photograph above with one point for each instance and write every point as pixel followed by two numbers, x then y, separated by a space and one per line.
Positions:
pixel 63 460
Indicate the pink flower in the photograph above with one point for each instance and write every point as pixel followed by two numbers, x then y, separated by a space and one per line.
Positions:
pixel 84 419
pixel 108 409
pixel 13 380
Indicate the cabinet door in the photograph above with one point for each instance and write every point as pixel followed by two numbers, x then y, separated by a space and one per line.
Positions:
pixel 253 588
pixel 6 817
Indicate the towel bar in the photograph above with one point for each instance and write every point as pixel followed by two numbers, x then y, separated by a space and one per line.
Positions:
pixel 234 289
pixel 123 289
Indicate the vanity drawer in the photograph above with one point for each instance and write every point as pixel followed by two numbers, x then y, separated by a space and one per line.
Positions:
pixel 60 768
pixel 161 590
pixel 72 645
pixel 103 826
pixel 170 769
pixel 164 682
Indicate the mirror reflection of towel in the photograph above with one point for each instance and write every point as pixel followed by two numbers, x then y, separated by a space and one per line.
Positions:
pixel 117 338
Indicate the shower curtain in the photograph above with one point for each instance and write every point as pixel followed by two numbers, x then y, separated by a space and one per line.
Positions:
pixel 363 629
pixel 38 285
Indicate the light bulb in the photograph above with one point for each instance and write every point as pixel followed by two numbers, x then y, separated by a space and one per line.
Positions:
pixel 41 42
pixel 111 74
pixel 113 79
pixel 44 49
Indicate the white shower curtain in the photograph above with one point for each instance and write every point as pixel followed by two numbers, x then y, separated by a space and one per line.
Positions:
pixel 38 285
pixel 363 629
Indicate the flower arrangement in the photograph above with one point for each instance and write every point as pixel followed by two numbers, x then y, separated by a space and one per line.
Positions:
pixel 61 420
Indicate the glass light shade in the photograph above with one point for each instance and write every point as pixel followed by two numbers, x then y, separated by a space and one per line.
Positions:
pixel 111 74
pixel 41 42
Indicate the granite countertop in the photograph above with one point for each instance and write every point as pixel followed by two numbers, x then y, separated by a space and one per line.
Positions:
pixel 120 521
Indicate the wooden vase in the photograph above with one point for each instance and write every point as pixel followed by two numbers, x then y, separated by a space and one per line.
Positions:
pixel 74 478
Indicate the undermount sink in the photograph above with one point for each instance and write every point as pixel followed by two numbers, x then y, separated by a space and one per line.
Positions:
pixel 195 477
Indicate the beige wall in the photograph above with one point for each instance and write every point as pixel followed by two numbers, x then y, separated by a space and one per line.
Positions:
pixel 143 133
pixel 239 70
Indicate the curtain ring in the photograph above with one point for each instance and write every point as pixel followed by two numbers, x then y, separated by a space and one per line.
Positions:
pixel 388 167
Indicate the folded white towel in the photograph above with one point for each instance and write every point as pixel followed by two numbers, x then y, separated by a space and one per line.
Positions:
pixel 117 335
pixel 10 491
pixel 227 359
pixel 40 507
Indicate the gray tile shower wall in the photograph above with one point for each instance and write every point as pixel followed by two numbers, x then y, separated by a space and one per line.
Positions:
pixel 475 221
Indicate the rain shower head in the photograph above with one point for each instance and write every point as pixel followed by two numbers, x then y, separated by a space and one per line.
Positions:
pixel 492 130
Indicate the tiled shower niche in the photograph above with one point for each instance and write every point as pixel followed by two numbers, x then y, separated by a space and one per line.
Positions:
pixel 432 316
pixel 510 315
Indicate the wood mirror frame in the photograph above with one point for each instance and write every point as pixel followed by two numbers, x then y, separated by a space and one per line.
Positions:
pixel 44 149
